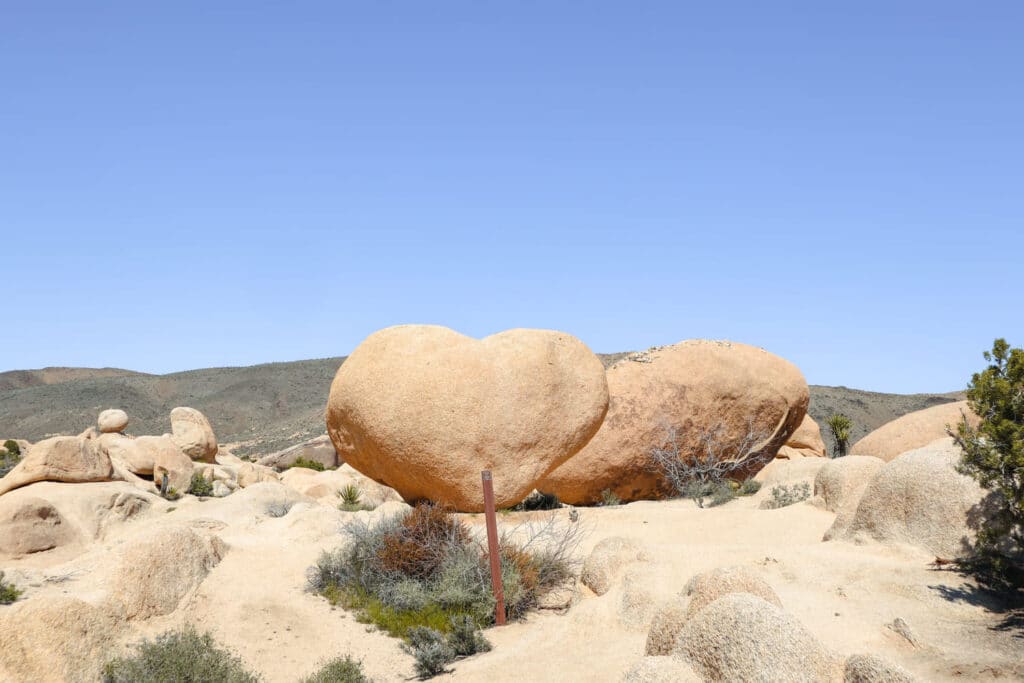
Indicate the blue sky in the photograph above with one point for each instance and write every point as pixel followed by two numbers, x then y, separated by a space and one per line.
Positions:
pixel 193 184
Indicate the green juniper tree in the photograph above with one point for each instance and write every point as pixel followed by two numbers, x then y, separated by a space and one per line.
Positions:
pixel 994 456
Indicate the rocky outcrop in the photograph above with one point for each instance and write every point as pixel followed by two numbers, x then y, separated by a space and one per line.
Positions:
pixel 919 499
pixel 319 450
pixel 607 560
pixel 330 484
pixel 709 586
pixel 62 458
pixel 913 430
pixel 805 442
pixel 423 409
pixel 192 432
pixel 29 524
pixel 733 396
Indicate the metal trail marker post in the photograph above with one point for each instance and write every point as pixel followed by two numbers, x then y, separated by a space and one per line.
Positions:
pixel 492 548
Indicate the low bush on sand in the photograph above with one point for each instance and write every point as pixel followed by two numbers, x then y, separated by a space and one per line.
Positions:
pixel 308 464
pixel 8 593
pixel 434 650
pixel 200 486
pixel 784 495
pixel 177 656
pixel 339 670
pixel 10 455
pixel 425 568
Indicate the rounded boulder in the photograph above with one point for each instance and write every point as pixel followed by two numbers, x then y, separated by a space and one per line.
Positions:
pixel 192 432
pixel 424 410
pixel 733 395
pixel 914 430
pixel 112 421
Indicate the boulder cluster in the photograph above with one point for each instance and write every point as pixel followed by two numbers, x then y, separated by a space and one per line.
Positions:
pixel 424 410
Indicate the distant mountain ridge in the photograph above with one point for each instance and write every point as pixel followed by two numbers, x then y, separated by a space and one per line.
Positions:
pixel 264 408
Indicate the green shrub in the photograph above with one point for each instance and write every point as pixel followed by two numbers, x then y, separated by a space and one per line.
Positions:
pixel 465 637
pixel 721 492
pixel 994 457
pixel 12 448
pixel 177 657
pixel 840 426
pixel 308 464
pixel 609 499
pixel 749 487
pixel 425 568
pixel 784 495
pixel 200 486
pixel 431 650
pixel 10 455
pixel 339 670
pixel 8 593
pixel 539 501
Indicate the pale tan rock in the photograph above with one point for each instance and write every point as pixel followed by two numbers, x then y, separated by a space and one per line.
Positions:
pixel 319 450
pixel 330 483
pixel 112 421
pixel 169 459
pixel 839 485
pixel 29 524
pixel 250 473
pixel 805 442
pixel 607 560
pixel 666 626
pixel 423 409
pixel 874 669
pixel 706 587
pixel 136 453
pixel 741 637
pixel 919 499
pixel 192 432
pixel 661 670
pixel 62 458
pixel 913 430
pixel 694 387
pixel 157 573
pixel 55 639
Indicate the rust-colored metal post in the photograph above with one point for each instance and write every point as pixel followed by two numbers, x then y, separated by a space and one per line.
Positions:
pixel 492 548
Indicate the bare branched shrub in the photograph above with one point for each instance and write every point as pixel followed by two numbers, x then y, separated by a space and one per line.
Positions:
pixel 704 472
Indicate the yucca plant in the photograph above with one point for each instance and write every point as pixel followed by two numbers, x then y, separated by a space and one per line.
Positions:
pixel 840 426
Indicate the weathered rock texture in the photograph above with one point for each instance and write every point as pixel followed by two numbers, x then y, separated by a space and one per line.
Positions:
pixel 840 483
pixel 709 586
pixel 805 442
pixel 29 524
pixel 913 430
pixel 740 637
pixel 874 669
pixel 423 409
pixel 192 432
pixel 919 499
pixel 661 670
pixel 607 560
pixel 62 458
pixel 694 388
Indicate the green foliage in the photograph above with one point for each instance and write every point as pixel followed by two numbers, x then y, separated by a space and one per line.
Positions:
pixel 840 426
pixel 431 650
pixel 351 499
pixel 339 670
pixel 465 637
pixel 994 456
pixel 785 495
pixel 12 448
pixel 721 492
pixel 8 593
pixel 609 499
pixel 200 486
pixel 308 464
pixel 749 487
pixel 539 501
pixel 425 569
pixel 177 657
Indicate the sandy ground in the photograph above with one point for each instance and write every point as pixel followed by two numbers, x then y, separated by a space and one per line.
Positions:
pixel 255 601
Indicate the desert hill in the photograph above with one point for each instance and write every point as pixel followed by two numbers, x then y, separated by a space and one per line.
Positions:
pixel 264 408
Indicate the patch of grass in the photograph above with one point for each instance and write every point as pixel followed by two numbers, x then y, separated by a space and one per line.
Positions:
pixel 609 499
pixel 200 486
pixel 176 657
pixel 308 464
pixel 11 447
pixel 339 670
pixel 8 593
pixel 749 487
pixel 784 495
pixel 351 499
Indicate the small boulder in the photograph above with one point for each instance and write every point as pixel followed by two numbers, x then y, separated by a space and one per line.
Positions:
pixel 250 473
pixel 919 499
pixel 192 432
pixel 874 669
pixel 137 454
pixel 666 626
pixel 424 410
pixel 63 458
pixel 170 460
pixel 661 670
pixel 805 442
pixel 709 586
pixel 607 560
pixel 841 482
pixel 157 573
pixel 913 430
pixel 29 524
pixel 319 450
pixel 330 483
pixel 112 421
pixel 741 637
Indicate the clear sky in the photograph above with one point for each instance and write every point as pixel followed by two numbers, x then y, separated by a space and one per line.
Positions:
pixel 194 184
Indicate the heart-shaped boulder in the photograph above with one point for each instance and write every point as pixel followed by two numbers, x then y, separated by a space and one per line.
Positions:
pixel 424 409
